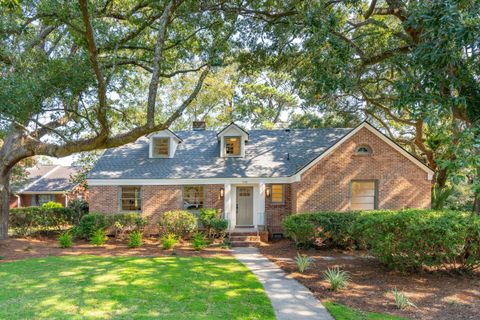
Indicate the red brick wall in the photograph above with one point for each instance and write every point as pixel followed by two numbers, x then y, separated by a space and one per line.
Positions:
pixel 326 186
pixel 276 212
pixel 155 200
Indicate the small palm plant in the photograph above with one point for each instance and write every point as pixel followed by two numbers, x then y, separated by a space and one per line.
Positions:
pixel 338 279
pixel 303 262
pixel 98 238
pixel 135 239
pixel 401 300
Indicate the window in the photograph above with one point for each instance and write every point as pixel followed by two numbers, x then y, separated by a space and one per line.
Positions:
pixel 131 199
pixel 40 199
pixel 364 150
pixel 161 146
pixel 193 197
pixel 277 193
pixel 232 146
pixel 364 195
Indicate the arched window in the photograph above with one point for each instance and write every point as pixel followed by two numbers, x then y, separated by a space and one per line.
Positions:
pixel 364 150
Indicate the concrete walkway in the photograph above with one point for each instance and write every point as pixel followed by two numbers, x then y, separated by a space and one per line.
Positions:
pixel 290 299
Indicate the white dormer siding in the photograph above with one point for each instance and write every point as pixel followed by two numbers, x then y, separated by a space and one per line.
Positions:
pixel 232 141
pixel 163 144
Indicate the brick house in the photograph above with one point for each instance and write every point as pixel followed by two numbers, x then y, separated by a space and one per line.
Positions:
pixel 256 178
pixel 45 183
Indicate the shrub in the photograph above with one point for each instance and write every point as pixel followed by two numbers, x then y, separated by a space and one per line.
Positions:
pixel 135 239
pixel 98 237
pixel 52 205
pixel 219 227
pixel 338 279
pixel 410 239
pixel 29 219
pixel 198 241
pixel 401 300
pixel 168 241
pixel 206 216
pixel 90 223
pixel 329 229
pixel 65 240
pixel 78 208
pixel 180 223
pixel 300 230
pixel 123 223
pixel 303 262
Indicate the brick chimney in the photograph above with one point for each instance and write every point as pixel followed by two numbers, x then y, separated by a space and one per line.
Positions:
pixel 199 125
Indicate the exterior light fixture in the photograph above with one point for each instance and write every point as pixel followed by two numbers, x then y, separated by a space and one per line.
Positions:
pixel 267 192
pixel 222 192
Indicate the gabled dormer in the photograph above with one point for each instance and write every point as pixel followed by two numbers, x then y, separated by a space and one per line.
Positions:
pixel 163 144
pixel 232 141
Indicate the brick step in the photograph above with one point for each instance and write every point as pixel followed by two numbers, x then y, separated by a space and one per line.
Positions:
pixel 244 238
pixel 241 233
pixel 245 243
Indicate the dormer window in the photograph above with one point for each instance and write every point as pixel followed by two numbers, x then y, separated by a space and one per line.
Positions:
pixel 163 144
pixel 232 141
pixel 232 146
pixel 161 147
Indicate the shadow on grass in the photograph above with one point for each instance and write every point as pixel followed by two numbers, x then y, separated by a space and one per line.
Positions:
pixel 129 287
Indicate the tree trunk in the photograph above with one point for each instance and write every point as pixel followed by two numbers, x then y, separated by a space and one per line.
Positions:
pixel 4 203
pixel 476 200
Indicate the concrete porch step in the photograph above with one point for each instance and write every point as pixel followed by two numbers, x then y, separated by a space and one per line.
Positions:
pixel 245 243
pixel 243 233
pixel 244 238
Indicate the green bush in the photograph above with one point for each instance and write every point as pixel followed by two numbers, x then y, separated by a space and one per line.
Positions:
pixel 124 223
pixel 98 237
pixel 90 223
pixel 410 239
pixel 198 241
pixel 405 239
pixel 206 216
pixel 168 241
pixel 180 223
pixel 219 227
pixel 27 220
pixel 135 239
pixel 65 240
pixel 78 208
pixel 329 229
pixel 52 205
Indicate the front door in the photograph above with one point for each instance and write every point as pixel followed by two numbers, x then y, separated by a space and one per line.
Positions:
pixel 244 206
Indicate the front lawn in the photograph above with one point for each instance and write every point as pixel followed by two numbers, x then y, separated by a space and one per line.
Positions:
pixel 342 312
pixel 131 287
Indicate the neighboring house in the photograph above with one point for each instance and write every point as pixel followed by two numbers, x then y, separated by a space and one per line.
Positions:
pixel 258 177
pixel 46 183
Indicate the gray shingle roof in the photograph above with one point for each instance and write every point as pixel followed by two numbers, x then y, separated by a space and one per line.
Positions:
pixel 268 153
pixel 48 178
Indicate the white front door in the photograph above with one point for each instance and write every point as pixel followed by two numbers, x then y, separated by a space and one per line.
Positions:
pixel 244 206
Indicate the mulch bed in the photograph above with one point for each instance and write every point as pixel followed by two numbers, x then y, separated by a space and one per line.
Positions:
pixel 23 248
pixel 437 295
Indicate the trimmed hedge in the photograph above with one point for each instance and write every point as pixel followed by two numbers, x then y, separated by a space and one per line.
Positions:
pixel 30 219
pixel 405 239
pixel 324 229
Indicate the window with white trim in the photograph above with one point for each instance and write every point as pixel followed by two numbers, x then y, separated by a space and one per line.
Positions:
pixel 41 199
pixel 364 195
pixel 278 193
pixel 193 197
pixel 233 146
pixel 161 147
pixel 131 198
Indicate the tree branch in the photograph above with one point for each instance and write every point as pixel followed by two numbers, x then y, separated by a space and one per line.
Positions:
pixel 93 54
pixel 153 87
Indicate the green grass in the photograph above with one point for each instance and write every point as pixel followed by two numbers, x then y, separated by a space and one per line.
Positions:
pixel 87 287
pixel 342 312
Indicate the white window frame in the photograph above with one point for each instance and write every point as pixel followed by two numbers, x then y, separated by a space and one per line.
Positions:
pixel 153 151
pixel 375 197
pixel 283 194
pixel 240 147
pixel 203 190
pixel 120 198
